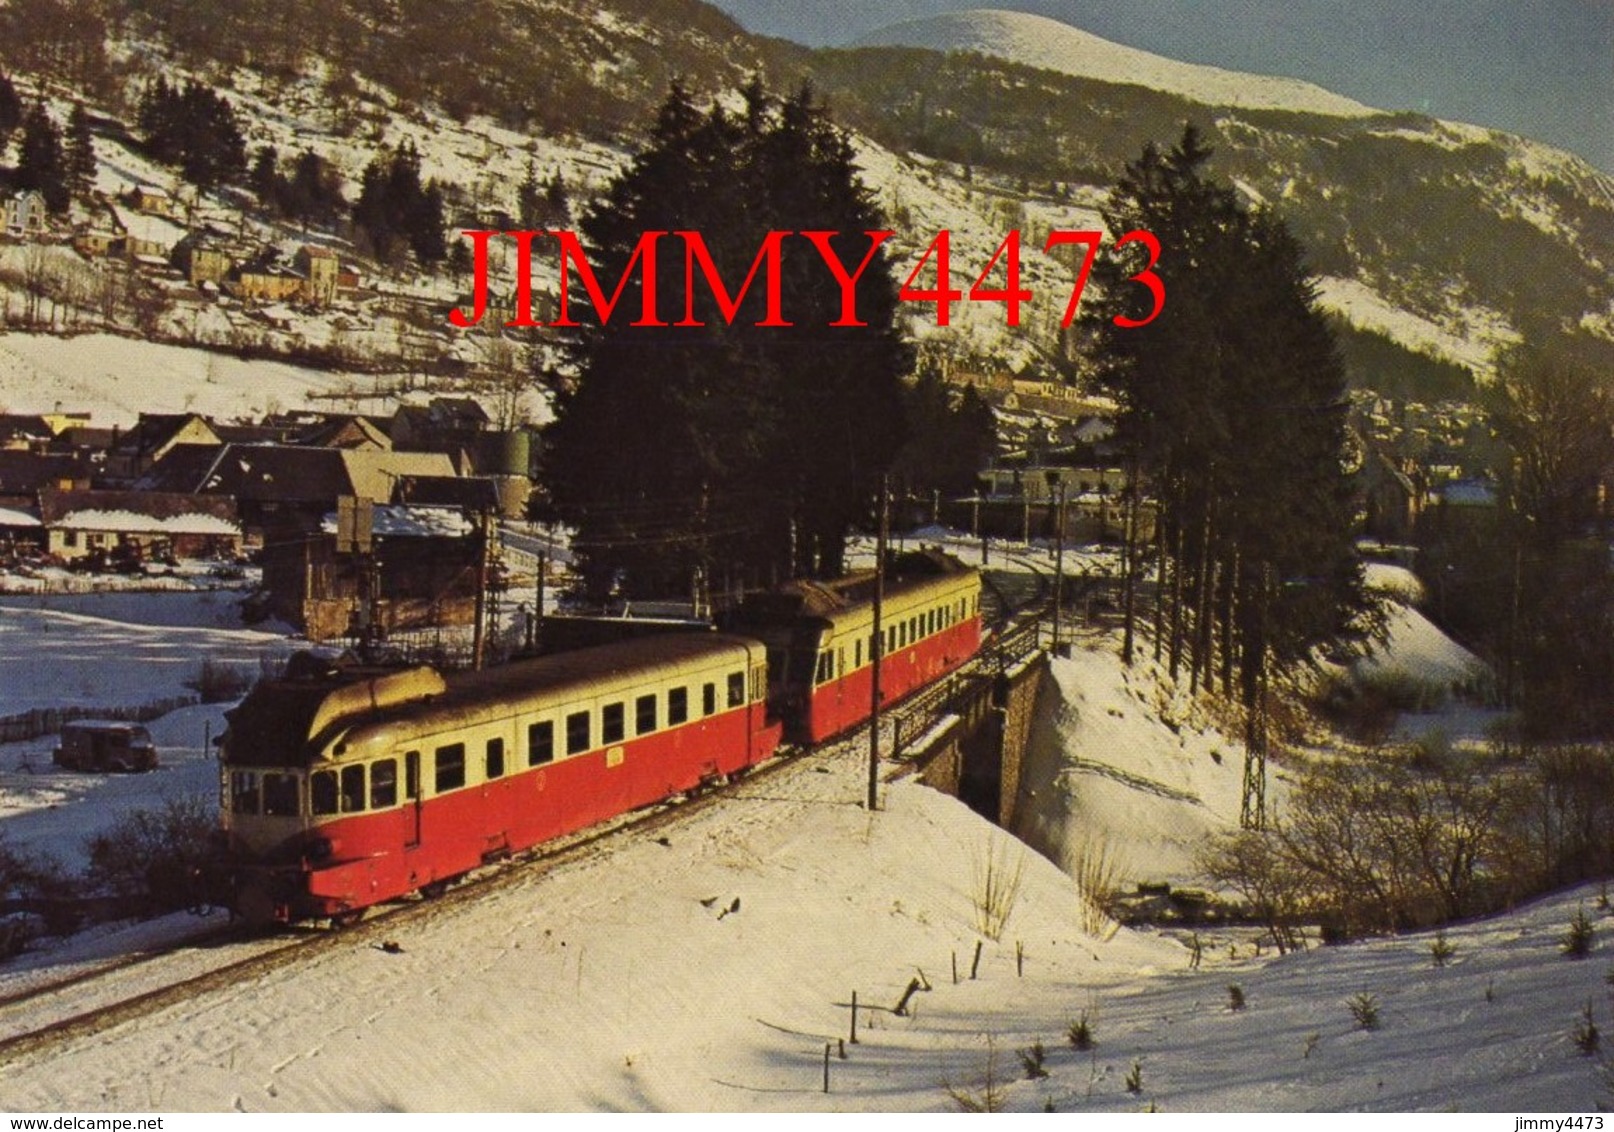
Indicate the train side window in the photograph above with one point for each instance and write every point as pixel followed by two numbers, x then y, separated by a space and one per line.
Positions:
pixel 824 672
pixel 577 733
pixel 613 723
pixel 736 689
pixel 759 683
pixel 644 714
pixel 708 699
pixel 677 706
pixel 353 788
pixel 280 795
pixel 541 743
pixel 243 792
pixel 495 753
pixel 322 792
pixel 450 767
pixel 412 775
pixel 384 784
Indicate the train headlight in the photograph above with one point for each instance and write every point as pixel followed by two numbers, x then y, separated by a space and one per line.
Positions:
pixel 320 849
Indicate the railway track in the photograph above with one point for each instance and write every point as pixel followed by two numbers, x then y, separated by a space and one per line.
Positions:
pixel 97 1000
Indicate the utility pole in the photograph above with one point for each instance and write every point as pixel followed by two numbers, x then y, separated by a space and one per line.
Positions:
pixel 877 643
pixel 1059 564
pixel 479 632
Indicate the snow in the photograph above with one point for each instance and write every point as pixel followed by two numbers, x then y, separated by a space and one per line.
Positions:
pixel 120 378
pixel 96 519
pixel 1038 41
pixel 1473 344
pixel 704 965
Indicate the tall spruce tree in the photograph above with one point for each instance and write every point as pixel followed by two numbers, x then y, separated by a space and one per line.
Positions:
pixel 1234 406
pixel 42 161
pixel 10 110
pixel 80 152
pixel 720 447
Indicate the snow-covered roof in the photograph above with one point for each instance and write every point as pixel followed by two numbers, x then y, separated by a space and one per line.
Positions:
pixel 147 228
pixel 402 521
pixel 94 519
pixel 14 518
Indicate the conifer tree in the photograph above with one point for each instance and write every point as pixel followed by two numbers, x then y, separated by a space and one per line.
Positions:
pixel 10 110
pixel 42 162
pixel 80 152
pixel 1234 407
pixel 722 445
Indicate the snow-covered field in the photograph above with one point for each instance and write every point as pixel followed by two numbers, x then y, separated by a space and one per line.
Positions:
pixel 623 980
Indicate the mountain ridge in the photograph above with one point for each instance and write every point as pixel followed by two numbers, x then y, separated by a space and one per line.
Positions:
pixel 1049 44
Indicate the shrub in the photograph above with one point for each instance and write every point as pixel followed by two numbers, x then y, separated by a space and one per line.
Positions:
pixel 1134 1077
pixel 988 1095
pixel 1031 1060
pixel 1576 943
pixel 1096 873
pixel 152 857
pixel 1235 997
pixel 1364 1008
pixel 1080 1033
pixel 1441 949
pixel 996 889
pixel 1585 1035
pixel 217 682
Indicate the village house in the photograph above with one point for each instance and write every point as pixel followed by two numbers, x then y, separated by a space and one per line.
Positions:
pixel 203 258
pixel 153 201
pixel 152 437
pixel 24 474
pixel 422 563
pixel 148 240
pixel 320 270
pixel 23 215
pixel 138 526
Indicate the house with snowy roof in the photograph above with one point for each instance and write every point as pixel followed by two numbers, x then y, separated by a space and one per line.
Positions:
pixel 136 526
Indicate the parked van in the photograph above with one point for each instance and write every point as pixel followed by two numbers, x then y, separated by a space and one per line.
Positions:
pixel 105 745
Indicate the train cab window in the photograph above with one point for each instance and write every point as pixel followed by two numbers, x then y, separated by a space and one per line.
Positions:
pixel 759 683
pixel 736 689
pixel 450 767
pixel 353 789
pixel 541 743
pixel 644 714
pixel 280 795
pixel 495 759
pixel 826 668
pixel 577 733
pixel 322 792
pixel 708 699
pixel 412 775
pixel 243 792
pixel 613 723
pixel 677 706
pixel 384 784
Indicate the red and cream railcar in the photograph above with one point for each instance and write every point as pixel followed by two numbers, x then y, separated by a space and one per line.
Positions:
pixel 820 639
pixel 341 794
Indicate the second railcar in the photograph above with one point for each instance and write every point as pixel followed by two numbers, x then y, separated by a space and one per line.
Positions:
pixel 820 639
pixel 340 793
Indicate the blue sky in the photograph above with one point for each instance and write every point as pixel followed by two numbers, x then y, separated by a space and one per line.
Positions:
pixel 1543 68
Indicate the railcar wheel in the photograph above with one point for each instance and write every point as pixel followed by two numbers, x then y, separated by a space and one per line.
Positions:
pixel 433 890
pixel 342 920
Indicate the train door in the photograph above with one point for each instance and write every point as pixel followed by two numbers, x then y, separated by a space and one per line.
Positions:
pixel 412 799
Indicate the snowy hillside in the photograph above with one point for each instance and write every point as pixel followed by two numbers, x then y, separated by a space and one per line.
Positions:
pixel 1038 41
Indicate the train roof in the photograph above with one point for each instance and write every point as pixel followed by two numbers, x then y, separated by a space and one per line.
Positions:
pixel 911 573
pixel 286 722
